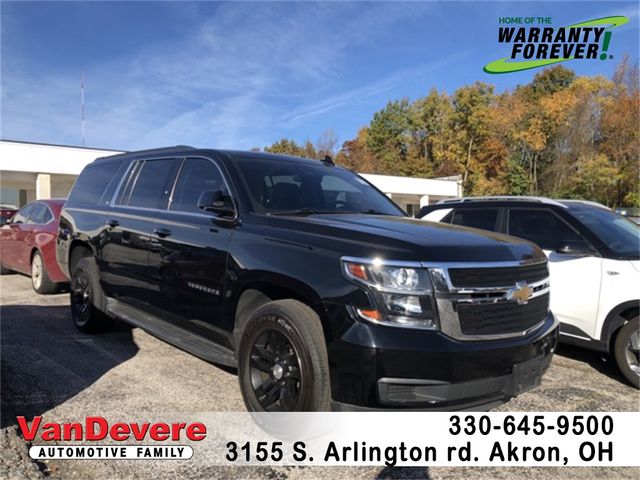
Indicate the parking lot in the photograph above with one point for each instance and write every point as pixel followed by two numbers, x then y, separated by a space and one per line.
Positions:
pixel 50 369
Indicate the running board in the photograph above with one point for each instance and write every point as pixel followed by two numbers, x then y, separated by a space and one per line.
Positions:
pixel 183 339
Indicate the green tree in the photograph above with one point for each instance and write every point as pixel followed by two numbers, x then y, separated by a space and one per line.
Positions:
pixel 287 147
pixel 551 80
pixel 389 137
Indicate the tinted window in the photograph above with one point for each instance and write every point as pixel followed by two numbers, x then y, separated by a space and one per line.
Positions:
pixel 484 218
pixel 23 214
pixel 541 227
pixel 152 185
pixel 93 183
pixel 40 214
pixel 616 232
pixel 196 176
pixel 281 186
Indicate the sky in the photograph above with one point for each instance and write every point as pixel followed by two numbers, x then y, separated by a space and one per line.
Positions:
pixel 242 75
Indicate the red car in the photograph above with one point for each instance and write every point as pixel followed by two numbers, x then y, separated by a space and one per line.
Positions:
pixel 6 212
pixel 28 245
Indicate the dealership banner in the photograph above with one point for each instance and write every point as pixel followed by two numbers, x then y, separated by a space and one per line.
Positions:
pixel 350 439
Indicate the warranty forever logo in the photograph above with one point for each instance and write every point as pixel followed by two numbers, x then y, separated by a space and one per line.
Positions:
pixel 539 46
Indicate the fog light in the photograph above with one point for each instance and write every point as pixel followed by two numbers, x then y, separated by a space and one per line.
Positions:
pixel 403 304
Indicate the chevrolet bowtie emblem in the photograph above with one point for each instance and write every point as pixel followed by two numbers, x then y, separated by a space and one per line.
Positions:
pixel 521 293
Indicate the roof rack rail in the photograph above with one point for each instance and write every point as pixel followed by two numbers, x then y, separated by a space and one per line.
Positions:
pixel 151 151
pixel 585 202
pixel 503 198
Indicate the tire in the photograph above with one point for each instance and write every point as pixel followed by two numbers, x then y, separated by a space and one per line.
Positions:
pixel 4 270
pixel 282 359
pixel 87 299
pixel 40 280
pixel 626 351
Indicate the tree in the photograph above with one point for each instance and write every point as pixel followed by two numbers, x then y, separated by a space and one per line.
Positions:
pixel 326 144
pixel 470 119
pixel 432 118
pixel 287 147
pixel 389 139
pixel 596 180
pixel 355 154
pixel 621 133
pixel 551 80
pixel 561 135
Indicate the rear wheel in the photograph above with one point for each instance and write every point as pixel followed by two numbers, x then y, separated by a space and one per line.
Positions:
pixel 282 359
pixel 40 280
pixel 87 299
pixel 627 351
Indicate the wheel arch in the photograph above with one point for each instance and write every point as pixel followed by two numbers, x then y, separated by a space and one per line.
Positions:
pixel 32 254
pixel 616 319
pixel 77 250
pixel 258 291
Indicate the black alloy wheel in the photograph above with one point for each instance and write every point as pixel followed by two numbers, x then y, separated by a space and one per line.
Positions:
pixel 86 298
pixel 275 371
pixel 81 298
pixel 282 359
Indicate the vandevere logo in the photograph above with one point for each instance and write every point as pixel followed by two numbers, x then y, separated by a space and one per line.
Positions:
pixel 535 43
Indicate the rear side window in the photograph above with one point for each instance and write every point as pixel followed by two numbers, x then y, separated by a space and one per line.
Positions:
pixel 151 185
pixel 40 214
pixel 22 215
pixel 541 227
pixel 93 184
pixel 484 218
pixel 196 176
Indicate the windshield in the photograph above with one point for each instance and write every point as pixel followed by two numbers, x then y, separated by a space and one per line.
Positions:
pixel 281 187
pixel 616 232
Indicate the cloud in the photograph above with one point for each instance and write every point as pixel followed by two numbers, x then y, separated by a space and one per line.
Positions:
pixel 361 93
pixel 232 78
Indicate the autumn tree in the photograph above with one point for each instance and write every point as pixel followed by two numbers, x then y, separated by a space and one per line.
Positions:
pixel 560 135
pixel 471 112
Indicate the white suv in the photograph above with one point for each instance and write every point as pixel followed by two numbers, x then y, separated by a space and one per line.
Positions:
pixel 594 264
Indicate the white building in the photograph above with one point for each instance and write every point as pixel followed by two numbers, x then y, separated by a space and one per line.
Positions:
pixel 30 171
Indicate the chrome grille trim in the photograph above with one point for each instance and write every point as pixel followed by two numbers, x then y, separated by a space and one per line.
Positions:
pixel 448 296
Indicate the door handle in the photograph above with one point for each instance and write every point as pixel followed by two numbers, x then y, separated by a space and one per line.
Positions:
pixel 113 223
pixel 162 232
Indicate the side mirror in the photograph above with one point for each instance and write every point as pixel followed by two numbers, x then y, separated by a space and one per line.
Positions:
pixel 216 201
pixel 575 248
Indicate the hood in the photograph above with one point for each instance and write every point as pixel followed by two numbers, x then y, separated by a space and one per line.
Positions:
pixel 404 238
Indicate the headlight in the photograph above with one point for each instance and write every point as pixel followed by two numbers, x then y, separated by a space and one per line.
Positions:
pixel 403 292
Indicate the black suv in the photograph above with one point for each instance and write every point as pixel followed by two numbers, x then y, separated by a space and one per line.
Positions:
pixel 308 279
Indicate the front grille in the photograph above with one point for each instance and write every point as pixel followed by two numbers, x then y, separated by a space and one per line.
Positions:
pixel 501 318
pixel 497 277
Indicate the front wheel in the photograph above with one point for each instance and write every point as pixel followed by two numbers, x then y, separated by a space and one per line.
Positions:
pixel 40 280
pixel 627 351
pixel 87 299
pixel 282 359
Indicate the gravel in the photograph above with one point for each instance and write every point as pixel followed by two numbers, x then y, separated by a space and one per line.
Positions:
pixel 50 369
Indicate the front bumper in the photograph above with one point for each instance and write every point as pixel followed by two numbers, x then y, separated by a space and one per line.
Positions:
pixel 378 367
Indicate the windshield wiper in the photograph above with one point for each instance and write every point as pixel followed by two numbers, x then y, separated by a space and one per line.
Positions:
pixel 303 211
pixel 315 211
pixel 373 211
